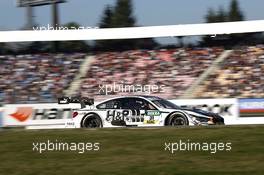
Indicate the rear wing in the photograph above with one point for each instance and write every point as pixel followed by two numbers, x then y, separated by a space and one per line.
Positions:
pixel 82 100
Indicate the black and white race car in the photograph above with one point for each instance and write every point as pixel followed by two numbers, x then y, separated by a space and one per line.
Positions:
pixel 141 111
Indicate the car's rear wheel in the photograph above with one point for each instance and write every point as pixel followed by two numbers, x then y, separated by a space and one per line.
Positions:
pixel 177 119
pixel 91 121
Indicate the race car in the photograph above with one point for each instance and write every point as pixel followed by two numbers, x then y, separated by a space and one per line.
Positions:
pixel 138 111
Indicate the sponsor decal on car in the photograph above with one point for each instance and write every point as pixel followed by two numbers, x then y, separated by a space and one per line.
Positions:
pixel 152 113
pixel 125 115
pixel 150 120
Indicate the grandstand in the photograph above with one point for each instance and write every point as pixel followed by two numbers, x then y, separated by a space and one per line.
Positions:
pixel 173 68
pixel 241 75
pixel 38 77
pixel 44 77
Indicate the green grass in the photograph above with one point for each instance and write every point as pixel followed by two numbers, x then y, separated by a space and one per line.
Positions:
pixel 134 151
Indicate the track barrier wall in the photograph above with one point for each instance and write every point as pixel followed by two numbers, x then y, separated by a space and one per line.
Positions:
pixel 53 115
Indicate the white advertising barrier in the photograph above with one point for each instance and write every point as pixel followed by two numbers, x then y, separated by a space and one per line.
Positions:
pixel 251 111
pixel 227 108
pixel 52 34
pixel 50 115
pixel 1 116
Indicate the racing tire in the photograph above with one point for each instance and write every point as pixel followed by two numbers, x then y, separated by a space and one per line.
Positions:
pixel 177 119
pixel 91 121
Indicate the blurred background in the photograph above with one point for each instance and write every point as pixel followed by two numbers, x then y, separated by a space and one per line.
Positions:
pixel 221 66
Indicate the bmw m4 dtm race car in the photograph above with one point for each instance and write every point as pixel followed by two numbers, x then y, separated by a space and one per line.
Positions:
pixel 140 111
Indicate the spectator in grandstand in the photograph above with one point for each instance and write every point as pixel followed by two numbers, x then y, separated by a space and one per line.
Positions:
pixel 241 75
pixel 36 78
pixel 176 69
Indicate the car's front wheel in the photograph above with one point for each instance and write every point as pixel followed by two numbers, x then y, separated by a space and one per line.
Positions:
pixel 91 121
pixel 177 119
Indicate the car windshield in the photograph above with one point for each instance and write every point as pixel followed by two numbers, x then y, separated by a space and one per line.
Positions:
pixel 165 104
